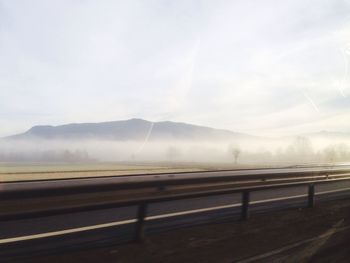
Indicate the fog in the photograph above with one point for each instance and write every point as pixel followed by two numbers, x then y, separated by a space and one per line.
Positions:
pixel 291 150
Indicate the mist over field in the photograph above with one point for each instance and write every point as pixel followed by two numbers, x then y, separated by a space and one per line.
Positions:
pixel 294 150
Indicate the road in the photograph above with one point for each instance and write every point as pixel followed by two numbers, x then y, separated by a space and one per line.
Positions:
pixel 117 225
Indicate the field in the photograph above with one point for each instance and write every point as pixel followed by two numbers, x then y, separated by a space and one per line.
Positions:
pixel 14 172
pixel 11 172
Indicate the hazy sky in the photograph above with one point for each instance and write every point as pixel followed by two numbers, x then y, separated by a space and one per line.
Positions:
pixel 261 67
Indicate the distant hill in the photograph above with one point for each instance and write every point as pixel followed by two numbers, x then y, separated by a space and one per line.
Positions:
pixel 328 135
pixel 130 130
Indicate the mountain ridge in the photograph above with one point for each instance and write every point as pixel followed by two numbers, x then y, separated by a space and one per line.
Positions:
pixel 137 129
pixel 130 129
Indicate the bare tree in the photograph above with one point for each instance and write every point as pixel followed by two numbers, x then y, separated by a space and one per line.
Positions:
pixel 330 154
pixel 172 153
pixel 235 151
pixel 300 150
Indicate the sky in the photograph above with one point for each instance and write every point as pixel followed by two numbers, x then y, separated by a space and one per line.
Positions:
pixel 262 67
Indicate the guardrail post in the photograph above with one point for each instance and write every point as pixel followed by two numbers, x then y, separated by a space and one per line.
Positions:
pixel 311 196
pixel 140 224
pixel 245 205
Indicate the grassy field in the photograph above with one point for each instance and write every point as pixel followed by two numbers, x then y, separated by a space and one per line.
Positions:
pixel 10 172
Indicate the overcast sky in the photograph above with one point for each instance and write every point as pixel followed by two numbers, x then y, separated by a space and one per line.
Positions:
pixel 261 67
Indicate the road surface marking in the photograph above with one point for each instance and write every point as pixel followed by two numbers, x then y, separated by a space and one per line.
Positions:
pixel 333 191
pixel 192 211
pixel 64 232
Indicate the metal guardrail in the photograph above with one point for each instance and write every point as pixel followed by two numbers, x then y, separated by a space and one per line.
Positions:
pixel 81 186
pixel 143 203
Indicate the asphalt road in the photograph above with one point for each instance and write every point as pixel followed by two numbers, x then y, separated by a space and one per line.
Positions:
pixel 117 225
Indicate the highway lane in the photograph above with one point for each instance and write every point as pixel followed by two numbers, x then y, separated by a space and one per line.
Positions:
pixel 113 235
pixel 122 233
pixel 172 208
pixel 118 224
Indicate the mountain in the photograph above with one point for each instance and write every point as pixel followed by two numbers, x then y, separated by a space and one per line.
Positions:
pixel 130 130
pixel 328 135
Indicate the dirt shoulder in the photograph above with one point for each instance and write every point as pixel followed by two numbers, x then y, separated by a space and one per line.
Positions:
pixel 271 236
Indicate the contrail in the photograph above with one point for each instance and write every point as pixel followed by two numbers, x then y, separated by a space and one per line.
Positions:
pixel 311 101
pixel 185 82
pixel 146 139
pixel 344 52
